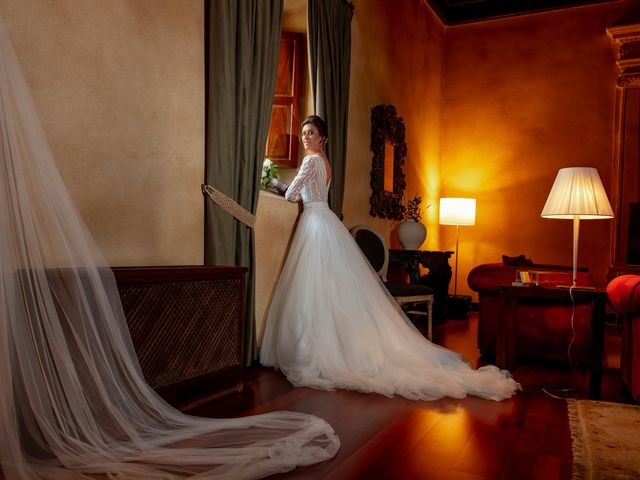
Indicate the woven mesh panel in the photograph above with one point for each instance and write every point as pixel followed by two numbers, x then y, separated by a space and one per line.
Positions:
pixel 182 330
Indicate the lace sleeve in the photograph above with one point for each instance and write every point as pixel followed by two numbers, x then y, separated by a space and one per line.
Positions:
pixel 306 171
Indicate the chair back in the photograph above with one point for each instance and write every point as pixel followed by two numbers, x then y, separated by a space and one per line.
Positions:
pixel 374 247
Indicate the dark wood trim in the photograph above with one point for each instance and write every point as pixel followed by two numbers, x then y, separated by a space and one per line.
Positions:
pixel 455 12
pixel 177 273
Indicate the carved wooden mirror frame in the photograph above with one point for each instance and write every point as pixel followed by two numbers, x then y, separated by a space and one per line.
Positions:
pixel 387 127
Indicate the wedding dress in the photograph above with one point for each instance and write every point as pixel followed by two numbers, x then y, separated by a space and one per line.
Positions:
pixel 332 323
pixel 73 401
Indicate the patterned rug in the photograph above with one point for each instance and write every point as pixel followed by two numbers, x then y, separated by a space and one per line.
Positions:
pixel 605 439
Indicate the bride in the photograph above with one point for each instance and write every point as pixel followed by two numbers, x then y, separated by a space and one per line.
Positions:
pixel 332 323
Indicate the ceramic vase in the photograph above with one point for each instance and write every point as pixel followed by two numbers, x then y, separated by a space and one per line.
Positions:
pixel 411 234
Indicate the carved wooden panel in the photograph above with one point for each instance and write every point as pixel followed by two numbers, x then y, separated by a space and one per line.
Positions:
pixel 627 171
pixel 283 138
pixel 279 140
pixel 456 12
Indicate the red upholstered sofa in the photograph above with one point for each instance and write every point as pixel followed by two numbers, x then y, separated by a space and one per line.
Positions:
pixel 624 295
pixel 544 328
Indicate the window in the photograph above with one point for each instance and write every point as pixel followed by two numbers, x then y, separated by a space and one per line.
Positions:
pixel 283 137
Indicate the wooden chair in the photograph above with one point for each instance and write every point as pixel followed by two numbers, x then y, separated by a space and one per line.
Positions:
pixel 408 295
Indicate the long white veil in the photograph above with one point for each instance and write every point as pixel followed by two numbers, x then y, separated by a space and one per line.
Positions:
pixel 73 401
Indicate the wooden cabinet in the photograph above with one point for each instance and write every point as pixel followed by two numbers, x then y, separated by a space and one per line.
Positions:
pixel 187 327
pixel 283 137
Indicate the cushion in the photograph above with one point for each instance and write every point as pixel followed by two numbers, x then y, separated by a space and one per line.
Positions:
pixel 519 261
pixel 408 289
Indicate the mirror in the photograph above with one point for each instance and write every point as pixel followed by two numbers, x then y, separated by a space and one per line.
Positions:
pixel 389 155
pixel 388 167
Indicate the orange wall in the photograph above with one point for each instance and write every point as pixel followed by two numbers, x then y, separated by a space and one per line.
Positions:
pixel 492 110
pixel 396 58
pixel 418 61
pixel 523 97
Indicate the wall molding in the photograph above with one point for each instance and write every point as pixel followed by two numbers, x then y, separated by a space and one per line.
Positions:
pixel 627 40
pixel 625 185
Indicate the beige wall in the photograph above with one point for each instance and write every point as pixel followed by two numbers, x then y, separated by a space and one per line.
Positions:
pixel 120 90
pixel 274 227
pixel 523 97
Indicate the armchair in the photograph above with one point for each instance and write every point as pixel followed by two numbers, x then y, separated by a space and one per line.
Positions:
pixel 409 296
pixel 624 296
pixel 544 329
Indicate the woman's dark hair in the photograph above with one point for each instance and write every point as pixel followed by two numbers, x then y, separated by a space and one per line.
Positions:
pixel 317 122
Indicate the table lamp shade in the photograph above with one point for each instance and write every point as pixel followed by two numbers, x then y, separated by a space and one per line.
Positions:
pixel 577 191
pixel 457 211
pixel 577 194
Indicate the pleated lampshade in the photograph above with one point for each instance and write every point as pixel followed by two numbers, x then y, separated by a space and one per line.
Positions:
pixel 577 191
pixel 577 194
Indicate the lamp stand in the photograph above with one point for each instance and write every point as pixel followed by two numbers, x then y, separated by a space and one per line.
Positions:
pixel 455 281
pixel 576 234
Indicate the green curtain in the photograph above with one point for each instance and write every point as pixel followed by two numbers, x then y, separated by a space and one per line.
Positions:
pixel 329 45
pixel 241 66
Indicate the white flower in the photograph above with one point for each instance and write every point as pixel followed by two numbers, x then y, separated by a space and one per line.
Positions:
pixel 266 165
pixel 269 172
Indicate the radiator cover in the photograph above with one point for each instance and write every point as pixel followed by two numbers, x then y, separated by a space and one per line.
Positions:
pixel 186 325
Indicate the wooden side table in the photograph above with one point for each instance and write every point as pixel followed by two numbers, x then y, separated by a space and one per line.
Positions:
pixel 506 335
pixel 437 263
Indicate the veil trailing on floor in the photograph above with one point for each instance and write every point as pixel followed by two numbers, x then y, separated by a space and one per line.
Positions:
pixel 73 402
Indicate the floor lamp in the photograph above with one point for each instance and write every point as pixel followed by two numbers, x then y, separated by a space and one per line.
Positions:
pixel 577 194
pixel 457 211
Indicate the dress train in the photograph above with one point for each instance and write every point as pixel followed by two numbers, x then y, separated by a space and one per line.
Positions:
pixel 332 323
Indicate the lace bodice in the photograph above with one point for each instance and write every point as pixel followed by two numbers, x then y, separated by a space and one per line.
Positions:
pixel 310 183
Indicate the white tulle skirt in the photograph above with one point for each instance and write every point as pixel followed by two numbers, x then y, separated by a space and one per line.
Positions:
pixel 332 324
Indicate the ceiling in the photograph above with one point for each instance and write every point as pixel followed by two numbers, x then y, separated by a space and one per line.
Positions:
pixel 453 12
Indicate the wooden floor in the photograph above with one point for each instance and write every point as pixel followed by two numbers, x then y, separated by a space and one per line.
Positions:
pixel 526 437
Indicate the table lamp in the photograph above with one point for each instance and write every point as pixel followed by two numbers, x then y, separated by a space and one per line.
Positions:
pixel 577 194
pixel 457 211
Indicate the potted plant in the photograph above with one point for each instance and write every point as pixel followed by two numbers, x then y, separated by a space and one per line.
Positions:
pixel 411 232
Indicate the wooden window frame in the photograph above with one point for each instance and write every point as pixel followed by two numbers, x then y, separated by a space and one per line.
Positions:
pixel 283 137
